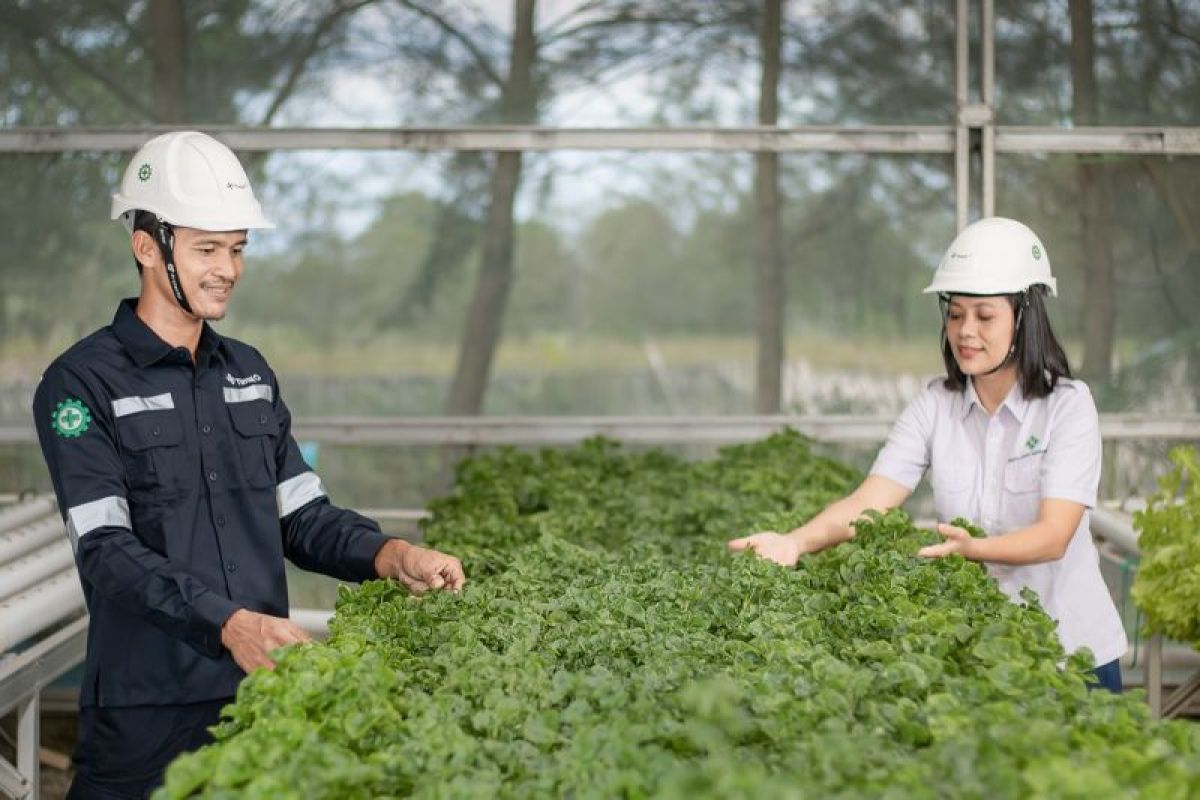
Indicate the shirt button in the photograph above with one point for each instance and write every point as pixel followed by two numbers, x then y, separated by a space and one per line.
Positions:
pixel 212 476
pixel 220 520
pixel 155 432
pixel 206 429
pixel 232 567
pixel 262 420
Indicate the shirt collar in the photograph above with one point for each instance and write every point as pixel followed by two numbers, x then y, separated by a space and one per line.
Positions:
pixel 1015 402
pixel 146 347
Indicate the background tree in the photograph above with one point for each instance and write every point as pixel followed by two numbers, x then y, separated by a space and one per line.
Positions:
pixel 162 62
pixel 1095 203
pixel 769 284
pixel 543 56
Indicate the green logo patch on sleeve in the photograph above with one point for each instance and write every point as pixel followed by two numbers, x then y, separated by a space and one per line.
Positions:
pixel 70 418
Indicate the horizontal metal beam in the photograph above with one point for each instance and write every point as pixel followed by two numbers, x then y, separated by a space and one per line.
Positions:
pixel 569 430
pixel 659 430
pixel 28 671
pixel 1133 141
pixel 665 430
pixel 1164 140
pixel 865 139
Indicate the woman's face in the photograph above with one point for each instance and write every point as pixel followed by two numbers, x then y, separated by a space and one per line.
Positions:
pixel 980 332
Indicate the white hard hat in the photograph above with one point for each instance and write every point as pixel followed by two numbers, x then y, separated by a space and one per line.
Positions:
pixel 190 180
pixel 993 256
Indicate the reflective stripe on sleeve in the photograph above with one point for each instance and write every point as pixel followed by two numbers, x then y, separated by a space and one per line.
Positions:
pixel 125 406
pixel 244 394
pixel 106 512
pixel 296 492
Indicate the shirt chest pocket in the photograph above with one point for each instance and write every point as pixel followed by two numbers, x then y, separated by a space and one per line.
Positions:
pixel 1022 490
pixel 152 449
pixel 952 484
pixel 256 430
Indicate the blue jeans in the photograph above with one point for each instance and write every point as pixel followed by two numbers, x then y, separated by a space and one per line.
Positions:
pixel 1108 676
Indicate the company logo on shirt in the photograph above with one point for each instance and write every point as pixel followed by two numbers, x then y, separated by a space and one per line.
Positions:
pixel 255 378
pixel 70 418
pixel 1032 442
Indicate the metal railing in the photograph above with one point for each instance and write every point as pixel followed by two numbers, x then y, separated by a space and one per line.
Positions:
pixel 714 429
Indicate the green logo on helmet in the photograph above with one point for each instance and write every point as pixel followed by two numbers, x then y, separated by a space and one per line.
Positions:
pixel 1037 253
pixel 70 418
pixel 144 172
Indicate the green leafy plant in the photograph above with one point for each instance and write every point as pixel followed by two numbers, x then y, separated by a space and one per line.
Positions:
pixel 1167 585
pixel 607 645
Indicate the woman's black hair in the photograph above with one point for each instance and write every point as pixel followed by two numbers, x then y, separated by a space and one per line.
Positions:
pixel 1039 357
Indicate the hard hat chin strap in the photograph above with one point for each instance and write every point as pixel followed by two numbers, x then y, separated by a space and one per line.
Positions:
pixel 164 234
pixel 1012 350
pixel 944 303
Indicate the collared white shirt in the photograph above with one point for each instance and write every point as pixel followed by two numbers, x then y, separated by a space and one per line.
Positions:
pixel 995 471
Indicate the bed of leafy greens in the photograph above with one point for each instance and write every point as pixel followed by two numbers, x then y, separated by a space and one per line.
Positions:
pixel 1167 585
pixel 608 646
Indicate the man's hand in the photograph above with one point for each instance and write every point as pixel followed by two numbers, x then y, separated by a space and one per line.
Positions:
pixel 772 546
pixel 957 541
pixel 250 637
pixel 419 568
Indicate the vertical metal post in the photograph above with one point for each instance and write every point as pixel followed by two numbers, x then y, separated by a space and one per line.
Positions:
pixel 29 739
pixel 962 135
pixel 1154 675
pixel 988 36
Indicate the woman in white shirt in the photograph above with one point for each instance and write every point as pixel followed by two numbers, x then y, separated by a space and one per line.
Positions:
pixel 1011 442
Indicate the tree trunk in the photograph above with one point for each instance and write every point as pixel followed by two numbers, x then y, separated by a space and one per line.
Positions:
pixel 1095 205
pixel 481 334
pixel 168 50
pixel 769 284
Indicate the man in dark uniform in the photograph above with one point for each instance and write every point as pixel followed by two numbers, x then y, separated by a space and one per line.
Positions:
pixel 181 487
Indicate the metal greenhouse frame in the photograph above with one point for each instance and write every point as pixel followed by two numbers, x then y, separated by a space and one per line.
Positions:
pixel 972 131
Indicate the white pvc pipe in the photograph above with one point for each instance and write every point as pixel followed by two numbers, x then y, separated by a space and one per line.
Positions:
pixel 24 572
pixel 25 513
pixel 1117 529
pixel 36 609
pixel 20 542
pixel 313 620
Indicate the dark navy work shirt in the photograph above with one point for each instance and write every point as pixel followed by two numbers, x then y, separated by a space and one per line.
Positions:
pixel 182 491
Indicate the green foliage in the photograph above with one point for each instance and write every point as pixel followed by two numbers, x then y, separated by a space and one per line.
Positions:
pixel 1167 585
pixel 608 646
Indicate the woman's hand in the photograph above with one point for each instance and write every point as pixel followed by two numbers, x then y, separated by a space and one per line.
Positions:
pixel 772 546
pixel 957 540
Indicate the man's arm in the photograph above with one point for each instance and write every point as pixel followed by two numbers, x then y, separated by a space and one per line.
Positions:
pixel 321 537
pixel 78 441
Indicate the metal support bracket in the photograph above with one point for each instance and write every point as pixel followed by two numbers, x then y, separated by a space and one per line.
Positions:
pixel 22 677
pixel 1177 702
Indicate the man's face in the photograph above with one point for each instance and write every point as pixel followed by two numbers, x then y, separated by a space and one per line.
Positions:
pixel 209 265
